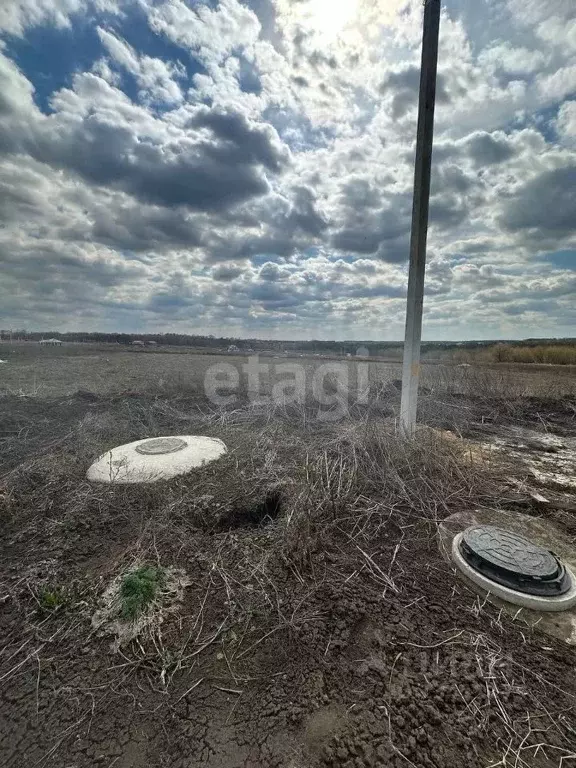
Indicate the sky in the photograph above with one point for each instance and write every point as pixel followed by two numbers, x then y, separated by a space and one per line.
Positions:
pixel 246 168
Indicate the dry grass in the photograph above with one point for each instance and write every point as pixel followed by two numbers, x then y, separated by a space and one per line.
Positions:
pixel 547 354
pixel 296 503
pixel 106 370
pixel 496 384
pixel 301 480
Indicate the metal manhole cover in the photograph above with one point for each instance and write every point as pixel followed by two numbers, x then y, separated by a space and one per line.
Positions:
pixel 161 445
pixel 513 560
pixel 508 550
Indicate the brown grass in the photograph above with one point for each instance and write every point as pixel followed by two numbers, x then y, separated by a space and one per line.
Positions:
pixel 548 354
pixel 47 374
pixel 519 353
pixel 298 505
pixel 310 480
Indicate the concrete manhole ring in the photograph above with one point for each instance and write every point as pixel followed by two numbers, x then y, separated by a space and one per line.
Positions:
pixel 555 616
pixel 560 602
pixel 158 458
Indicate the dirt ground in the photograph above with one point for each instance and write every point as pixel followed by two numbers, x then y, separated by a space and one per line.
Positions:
pixel 318 625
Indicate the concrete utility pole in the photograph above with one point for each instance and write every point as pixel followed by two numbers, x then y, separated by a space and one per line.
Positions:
pixel 427 98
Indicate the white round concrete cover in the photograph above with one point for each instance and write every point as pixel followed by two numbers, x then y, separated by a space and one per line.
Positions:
pixel 157 458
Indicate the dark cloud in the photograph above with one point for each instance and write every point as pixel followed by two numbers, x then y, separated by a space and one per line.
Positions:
pixel 392 248
pixel 480 245
pixel 221 249
pixel 271 272
pixel 405 85
pixel 139 228
pixel 453 194
pixel 370 231
pixel 49 269
pixel 485 149
pixel 278 245
pixel 205 176
pixel 318 59
pixel 226 272
pixel 395 250
pixel 545 205
pixel 447 210
pixel 304 214
pixel 244 142
pixel 300 81
pixel 169 304
pixel 288 225
pixel 449 177
pixel 481 277
pixel 273 295
pixel 356 240
pixel 27 195
pixel 203 172
pixel 358 192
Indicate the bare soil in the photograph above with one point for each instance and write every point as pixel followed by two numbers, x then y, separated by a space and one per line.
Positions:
pixel 320 627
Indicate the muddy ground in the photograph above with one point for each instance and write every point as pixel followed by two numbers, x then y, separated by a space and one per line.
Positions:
pixel 319 626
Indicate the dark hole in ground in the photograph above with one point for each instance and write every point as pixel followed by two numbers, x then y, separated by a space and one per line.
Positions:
pixel 253 515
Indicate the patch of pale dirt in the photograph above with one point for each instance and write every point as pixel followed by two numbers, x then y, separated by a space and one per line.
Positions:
pixel 107 619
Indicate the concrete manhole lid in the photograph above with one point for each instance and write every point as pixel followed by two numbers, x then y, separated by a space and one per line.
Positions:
pixel 510 551
pixel 161 445
pixel 152 459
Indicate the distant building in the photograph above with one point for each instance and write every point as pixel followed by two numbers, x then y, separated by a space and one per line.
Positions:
pixel 51 342
pixel 233 348
pixel 138 343
pixel 152 343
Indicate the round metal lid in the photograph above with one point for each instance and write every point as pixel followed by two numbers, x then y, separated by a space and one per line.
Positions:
pixel 511 552
pixel 160 445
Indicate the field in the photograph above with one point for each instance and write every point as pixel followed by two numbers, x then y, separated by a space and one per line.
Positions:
pixel 112 369
pixel 288 605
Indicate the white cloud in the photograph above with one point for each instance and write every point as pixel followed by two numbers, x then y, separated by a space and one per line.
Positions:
pixel 559 84
pixel 103 70
pixel 271 192
pixel 155 77
pixel 16 15
pixel 566 122
pixel 211 34
pixel 512 61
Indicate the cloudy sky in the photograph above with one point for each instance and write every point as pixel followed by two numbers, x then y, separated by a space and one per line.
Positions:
pixel 245 168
